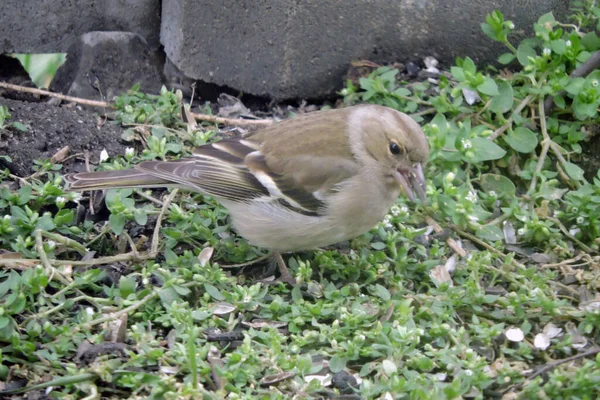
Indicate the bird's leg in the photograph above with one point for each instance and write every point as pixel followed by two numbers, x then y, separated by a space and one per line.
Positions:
pixel 285 274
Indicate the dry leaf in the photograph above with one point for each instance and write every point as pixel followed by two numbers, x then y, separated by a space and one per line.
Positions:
pixel 205 255
pixel 60 155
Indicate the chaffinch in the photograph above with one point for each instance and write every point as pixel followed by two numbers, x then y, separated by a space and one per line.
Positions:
pixel 309 181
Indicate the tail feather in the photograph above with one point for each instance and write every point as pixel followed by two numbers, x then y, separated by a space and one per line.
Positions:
pixel 129 178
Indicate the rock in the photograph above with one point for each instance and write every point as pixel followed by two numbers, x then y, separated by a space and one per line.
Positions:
pixel 102 65
pixel 53 26
pixel 301 49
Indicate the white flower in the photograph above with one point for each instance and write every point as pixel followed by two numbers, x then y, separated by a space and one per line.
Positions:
pixel 468 372
pixel 510 25
pixel 580 220
pixel 595 82
pixel 129 152
pixel 466 143
pixel 75 196
pixel 547 52
pixel 568 43
pixel 60 201
pixel 514 334
pixel 51 244
pixel 7 217
pixel 472 196
pixel 492 193
pixel 103 155
pixel 450 177
pixel 473 218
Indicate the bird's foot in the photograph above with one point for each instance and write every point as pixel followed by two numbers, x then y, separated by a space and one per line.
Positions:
pixel 285 277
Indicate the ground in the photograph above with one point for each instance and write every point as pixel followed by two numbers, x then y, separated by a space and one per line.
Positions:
pixel 50 129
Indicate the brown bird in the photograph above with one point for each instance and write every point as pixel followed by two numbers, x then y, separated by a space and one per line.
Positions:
pixel 306 182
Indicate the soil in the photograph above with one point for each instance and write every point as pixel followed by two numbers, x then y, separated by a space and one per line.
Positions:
pixel 50 129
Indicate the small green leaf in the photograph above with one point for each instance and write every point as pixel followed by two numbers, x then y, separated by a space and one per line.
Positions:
pixel 382 292
pixel 24 194
pixel 504 101
pixel 590 41
pixel 64 217
pixel 45 223
pixel 547 18
pixel 559 101
pixel 558 46
pixel 402 92
pixel 490 232
pixel 19 126
pixel 574 171
pixel 378 245
pixel 200 315
pixel 214 292
pixel 522 140
pixel 458 73
pixel 486 150
pixel 506 58
pixel 297 295
pixel 141 217
pixel 524 52
pixel 127 286
pixel 499 184
pixel 469 66
pixel 575 86
pixel 117 223
pixel 488 87
pixel 337 364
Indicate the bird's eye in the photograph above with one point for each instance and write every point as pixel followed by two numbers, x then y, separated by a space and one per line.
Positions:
pixel 394 148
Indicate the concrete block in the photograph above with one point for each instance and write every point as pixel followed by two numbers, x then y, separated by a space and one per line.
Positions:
pixel 301 49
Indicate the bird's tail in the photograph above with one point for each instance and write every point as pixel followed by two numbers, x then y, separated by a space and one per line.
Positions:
pixel 128 178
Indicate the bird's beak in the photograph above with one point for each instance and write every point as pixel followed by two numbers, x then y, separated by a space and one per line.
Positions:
pixel 411 182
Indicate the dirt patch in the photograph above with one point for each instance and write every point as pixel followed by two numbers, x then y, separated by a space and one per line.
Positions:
pixel 50 128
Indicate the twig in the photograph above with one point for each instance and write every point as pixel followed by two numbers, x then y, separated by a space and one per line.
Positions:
pixel 104 104
pixel 245 264
pixel 148 197
pixel 550 366
pixel 232 121
pixel 583 70
pixel 451 242
pixel 126 310
pixel 480 242
pixel 39 247
pixel 566 232
pixel 156 234
pixel 8 262
pixel 508 124
pixel 424 112
pixel 92 103
pixel 539 166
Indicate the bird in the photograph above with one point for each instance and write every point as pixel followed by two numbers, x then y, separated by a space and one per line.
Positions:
pixel 306 182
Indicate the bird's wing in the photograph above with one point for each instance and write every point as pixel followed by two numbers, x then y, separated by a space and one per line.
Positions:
pixel 216 169
pixel 311 151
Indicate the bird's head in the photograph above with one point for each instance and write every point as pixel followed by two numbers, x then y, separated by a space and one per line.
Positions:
pixel 392 145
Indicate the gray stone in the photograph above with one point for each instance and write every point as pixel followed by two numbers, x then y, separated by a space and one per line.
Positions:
pixel 102 65
pixel 41 26
pixel 301 49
